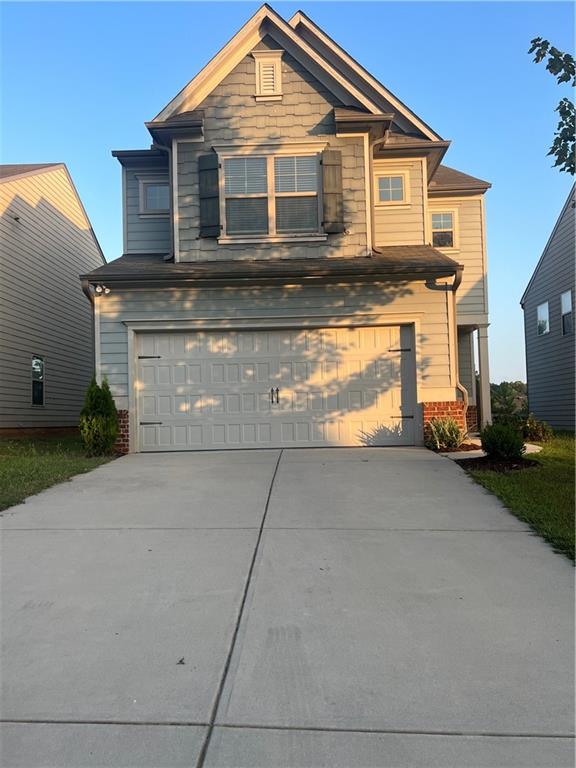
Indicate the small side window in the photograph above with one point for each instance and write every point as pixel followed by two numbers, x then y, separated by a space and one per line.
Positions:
pixel 543 326
pixel 443 230
pixel 391 189
pixel 154 196
pixel 37 380
pixel 566 301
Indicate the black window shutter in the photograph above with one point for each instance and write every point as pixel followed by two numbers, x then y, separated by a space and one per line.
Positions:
pixel 332 197
pixel 209 195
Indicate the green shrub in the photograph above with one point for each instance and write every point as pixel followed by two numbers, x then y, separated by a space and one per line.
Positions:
pixel 99 420
pixel 515 420
pixel 444 434
pixel 502 442
pixel 537 430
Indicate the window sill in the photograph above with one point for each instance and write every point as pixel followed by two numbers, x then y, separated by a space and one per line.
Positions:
pixel 272 239
pixel 392 204
pixel 154 214
pixel 271 97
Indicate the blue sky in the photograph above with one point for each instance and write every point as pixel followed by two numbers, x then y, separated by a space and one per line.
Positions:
pixel 80 79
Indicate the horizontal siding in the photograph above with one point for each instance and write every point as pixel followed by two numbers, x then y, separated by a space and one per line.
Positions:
pixel 42 308
pixel 471 297
pixel 305 112
pixel 400 224
pixel 466 365
pixel 550 364
pixel 263 304
pixel 144 234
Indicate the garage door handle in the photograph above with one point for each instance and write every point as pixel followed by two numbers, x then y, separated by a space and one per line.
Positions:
pixel 274 393
pixel 150 423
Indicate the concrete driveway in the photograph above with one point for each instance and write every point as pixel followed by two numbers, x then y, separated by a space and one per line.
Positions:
pixel 363 608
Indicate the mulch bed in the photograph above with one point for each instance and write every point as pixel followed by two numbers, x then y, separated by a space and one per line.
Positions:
pixel 485 463
pixel 463 447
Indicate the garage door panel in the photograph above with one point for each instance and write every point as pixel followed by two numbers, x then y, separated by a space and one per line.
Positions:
pixel 335 386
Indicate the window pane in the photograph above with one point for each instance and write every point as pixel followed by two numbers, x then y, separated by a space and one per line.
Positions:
pixel 245 176
pixel 391 188
pixel 442 221
pixel 543 324
pixel 247 216
pixel 296 214
pixel 296 174
pixel 157 197
pixel 37 381
pixel 567 323
pixel 442 239
pixel 566 300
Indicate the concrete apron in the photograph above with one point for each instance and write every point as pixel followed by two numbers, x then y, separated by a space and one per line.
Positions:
pixel 396 615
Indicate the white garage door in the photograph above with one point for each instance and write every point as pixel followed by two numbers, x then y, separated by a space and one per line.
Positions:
pixel 281 388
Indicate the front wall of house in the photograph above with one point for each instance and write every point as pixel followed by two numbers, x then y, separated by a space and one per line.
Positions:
pixel 401 224
pixel 144 233
pixel 231 114
pixel 305 306
pixel 470 251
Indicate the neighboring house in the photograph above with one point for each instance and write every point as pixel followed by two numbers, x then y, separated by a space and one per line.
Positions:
pixel 548 304
pixel 46 331
pixel 299 269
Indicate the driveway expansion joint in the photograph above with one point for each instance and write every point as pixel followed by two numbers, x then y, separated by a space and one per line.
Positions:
pixel 211 724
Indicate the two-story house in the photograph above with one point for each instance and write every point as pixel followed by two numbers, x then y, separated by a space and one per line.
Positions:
pixel 299 269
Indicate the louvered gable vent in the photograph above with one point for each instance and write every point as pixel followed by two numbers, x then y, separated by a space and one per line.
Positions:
pixel 268 74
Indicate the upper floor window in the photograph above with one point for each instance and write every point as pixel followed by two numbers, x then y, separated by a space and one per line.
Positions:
pixel 37 380
pixel 443 230
pixel 271 195
pixel 268 75
pixel 154 196
pixel 543 322
pixel 392 189
pixel 566 302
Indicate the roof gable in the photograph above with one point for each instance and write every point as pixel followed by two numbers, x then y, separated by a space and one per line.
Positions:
pixel 570 202
pixel 265 22
pixel 355 73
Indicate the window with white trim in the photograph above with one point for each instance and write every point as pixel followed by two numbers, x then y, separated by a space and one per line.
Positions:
pixel 391 189
pixel 543 319
pixel 443 230
pixel 271 195
pixel 154 196
pixel 566 305
pixel 268 75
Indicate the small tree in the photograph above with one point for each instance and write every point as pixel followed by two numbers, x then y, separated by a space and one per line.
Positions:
pixel 99 420
pixel 562 66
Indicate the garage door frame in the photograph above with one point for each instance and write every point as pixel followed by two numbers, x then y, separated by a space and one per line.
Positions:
pixel 262 323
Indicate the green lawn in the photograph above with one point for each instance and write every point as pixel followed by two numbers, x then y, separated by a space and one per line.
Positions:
pixel 29 465
pixel 543 497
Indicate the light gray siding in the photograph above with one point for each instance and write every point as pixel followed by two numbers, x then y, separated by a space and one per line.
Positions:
pixel 550 358
pixel 400 224
pixel 145 233
pixel 231 114
pixel 264 305
pixel 42 308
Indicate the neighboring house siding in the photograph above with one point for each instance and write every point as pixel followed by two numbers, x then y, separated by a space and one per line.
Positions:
pixel 466 365
pixel 231 114
pixel 144 234
pixel 550 358
pixel 400 224
pixel 471 298
pixel 265 304
pixel 42 308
